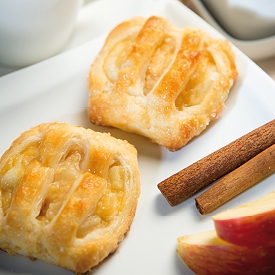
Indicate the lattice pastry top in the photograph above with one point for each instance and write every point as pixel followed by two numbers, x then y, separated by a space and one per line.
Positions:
pixel 159 81
pixel 67 195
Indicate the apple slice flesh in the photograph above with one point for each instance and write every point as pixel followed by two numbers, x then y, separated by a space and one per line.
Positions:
pixel 206 254
pixel 251 225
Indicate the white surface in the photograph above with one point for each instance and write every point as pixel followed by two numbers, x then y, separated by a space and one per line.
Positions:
pixel 32 30
pixel 56 90
pixel 256 49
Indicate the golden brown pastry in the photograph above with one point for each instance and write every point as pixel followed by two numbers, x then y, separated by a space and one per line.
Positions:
pixel 159 81
pixel 67 195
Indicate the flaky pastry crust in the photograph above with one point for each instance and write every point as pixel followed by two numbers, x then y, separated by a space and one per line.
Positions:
pixel 67 195
pixel 159 81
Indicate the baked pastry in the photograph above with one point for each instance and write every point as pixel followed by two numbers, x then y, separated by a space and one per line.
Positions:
pixel 159 81
pixel 67 195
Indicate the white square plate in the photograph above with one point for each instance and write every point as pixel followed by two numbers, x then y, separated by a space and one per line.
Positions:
pixel 56 90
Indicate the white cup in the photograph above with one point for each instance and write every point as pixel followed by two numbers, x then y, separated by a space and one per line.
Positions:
pixel 33 30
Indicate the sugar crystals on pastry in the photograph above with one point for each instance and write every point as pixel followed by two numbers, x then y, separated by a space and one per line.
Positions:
pixel 159 81
pixel 67 195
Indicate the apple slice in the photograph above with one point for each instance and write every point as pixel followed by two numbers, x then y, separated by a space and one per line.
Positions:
pixel 205 253
pixel 252 224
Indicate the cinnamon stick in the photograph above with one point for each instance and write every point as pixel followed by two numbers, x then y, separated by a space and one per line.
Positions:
pixel 200 174
pixel 237 181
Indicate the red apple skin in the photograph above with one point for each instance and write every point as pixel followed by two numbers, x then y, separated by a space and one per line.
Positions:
pixel 213 256
pixel 252 231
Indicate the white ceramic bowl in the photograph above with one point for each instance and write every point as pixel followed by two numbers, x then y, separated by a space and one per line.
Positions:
pixel 33 30
pixel 238 18
pixel 244 19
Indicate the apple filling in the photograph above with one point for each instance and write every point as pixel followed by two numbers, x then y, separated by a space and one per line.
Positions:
pixel 110 204
pixel 159 62
pixel 199 83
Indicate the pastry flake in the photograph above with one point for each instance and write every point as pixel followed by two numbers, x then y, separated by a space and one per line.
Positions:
pixel 67 195
pixel 159 81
